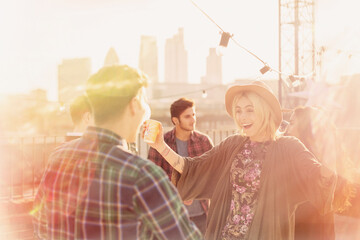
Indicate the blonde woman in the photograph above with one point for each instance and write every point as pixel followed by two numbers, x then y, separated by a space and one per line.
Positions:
pixel 254 179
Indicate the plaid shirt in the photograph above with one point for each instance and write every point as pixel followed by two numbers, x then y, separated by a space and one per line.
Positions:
pixel 94 189
pixel 198 144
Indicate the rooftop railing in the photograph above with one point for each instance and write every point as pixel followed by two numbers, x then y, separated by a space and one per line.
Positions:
pixel 23 159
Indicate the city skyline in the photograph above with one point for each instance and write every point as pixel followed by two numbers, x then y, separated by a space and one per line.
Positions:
pixel 176 59
pixel 73 73
pixel 213 73
pixel 148 57
pixel 72 76
pixel 38 35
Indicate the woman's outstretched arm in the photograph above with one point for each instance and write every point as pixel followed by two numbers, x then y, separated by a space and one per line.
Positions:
pixel 174 159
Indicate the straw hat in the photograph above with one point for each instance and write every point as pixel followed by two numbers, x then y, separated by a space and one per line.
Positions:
pixel 259 88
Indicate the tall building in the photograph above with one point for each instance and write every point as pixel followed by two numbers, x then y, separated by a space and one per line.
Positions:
pixel 72 76
pixel 148 57
pixel 213 68
pixel 111 58
pixel 176 59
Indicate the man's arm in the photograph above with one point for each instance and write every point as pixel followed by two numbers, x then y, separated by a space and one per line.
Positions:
pixel 39 216
pixel 160 207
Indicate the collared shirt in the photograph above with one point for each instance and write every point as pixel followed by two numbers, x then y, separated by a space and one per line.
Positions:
pixel 198 144
pixel 94 189
pixel 195 209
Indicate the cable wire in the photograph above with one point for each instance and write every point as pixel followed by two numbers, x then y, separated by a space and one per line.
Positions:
pixel 247 50
pixel 212 20
pixel 187 93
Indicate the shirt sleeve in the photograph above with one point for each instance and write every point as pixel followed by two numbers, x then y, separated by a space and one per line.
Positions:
pixel 39 215
pixel 315 182
pixel 201 174
pixel 208 143
pixel 159 206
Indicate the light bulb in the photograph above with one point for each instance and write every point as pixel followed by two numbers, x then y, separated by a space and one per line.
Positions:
pixel 224 41
pixel 296 83
pixel 283 126
pixel 62 108
pixel 265 69
pixel 204 94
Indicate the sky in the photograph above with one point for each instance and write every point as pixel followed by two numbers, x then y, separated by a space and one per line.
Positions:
pixel 37 35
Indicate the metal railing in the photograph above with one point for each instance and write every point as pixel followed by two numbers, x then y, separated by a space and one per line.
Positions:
pixel 23 159
pixel 22 162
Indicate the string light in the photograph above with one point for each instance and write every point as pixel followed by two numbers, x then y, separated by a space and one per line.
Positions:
pixel 224 41
pixel 204 94
pixel 296 81
pixel 265 69
pixel 62 107
pixel 350 53
pixel 226 36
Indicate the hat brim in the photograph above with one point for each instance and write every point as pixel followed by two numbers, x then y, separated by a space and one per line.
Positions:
pixel 264 93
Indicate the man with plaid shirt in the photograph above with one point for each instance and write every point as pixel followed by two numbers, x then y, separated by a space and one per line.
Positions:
pixel 187 142
pixel 95 188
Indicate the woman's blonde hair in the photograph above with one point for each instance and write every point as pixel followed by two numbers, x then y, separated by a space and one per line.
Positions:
pixel 263 111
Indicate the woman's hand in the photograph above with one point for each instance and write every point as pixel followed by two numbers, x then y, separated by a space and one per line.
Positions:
pixel 159 143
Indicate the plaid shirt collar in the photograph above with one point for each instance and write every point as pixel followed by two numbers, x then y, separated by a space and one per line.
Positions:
pixel 103 135
pixel 193 137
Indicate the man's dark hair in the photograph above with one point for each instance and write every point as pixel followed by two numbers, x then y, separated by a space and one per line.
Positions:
pixel 111 89
pixel 78 107
pixel 179 106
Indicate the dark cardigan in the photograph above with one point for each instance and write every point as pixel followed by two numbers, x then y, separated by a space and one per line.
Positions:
pixel 290 176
